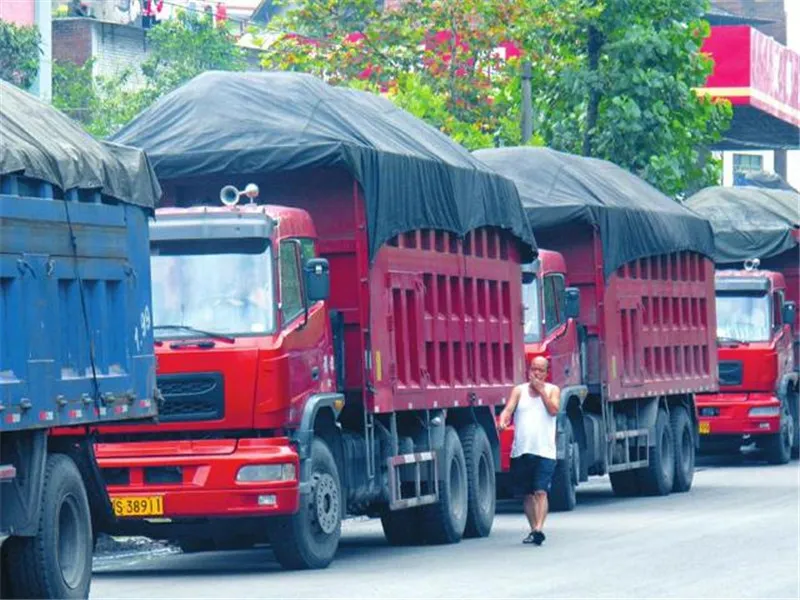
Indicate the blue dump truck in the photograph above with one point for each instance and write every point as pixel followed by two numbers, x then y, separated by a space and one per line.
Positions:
pixel 76 341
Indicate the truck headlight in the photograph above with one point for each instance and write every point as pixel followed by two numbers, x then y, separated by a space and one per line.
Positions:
pixel 261 473
pixel 765 411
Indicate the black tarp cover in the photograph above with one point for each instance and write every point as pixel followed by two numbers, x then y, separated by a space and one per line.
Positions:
pixel 413 176
pixel 748 222
pixel 39 142
pixel 635 220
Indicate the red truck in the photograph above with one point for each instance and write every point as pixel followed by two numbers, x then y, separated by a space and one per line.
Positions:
pixel 622 306
pixel 338 347
pixel 757 232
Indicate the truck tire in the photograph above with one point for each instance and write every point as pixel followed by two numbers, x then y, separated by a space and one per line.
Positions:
pixel 657 478
pixel 445 521
pixel 57 563
pixel 683 436
pixel 624 483
pixel 778 446
pixel 481 485
pixel 309 538
pixel 401 527
pixel 563 495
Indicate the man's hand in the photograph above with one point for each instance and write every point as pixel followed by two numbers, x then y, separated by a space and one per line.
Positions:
pixel 505 421
pixel 539 386
pixel 505 416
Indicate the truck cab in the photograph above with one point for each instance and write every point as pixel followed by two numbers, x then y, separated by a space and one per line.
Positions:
pixel 755 402
pixel 242 342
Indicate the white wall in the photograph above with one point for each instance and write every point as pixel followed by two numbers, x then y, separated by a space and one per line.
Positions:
pixel 792 8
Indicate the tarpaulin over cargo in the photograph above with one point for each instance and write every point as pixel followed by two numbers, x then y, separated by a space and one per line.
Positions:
pixel 635 220
pixel 39 142
pixel 749 222
pixel 413 176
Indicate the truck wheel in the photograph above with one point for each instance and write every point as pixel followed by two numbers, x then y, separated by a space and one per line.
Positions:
pixel 401 527
pixel 444 522
pixel 624 483
pixel 309 538
pixel 57 563
pixel 657 478
pixel 684 449
pixel 565 478
pixel 481 488
pixel 778 446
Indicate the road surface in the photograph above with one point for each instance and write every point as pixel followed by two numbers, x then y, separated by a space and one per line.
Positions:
pixel 735 535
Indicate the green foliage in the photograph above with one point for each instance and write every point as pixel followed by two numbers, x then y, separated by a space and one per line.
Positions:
pixel 648 118
pixel 627 97
pixel 180 49
pixel 436 59
pixel 19 53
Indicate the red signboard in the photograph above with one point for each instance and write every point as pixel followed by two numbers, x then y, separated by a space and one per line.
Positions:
pixel 753 69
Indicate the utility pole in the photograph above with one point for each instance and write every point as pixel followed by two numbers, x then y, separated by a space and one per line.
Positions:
pixel 527 102
pixel 43 18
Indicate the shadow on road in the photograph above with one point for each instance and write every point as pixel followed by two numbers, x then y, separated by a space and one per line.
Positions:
pixel 259 560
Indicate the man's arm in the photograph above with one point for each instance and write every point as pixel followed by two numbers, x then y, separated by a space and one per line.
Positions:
pixel 508 411
pixel 552 400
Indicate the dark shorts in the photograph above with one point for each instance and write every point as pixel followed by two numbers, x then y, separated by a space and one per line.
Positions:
pixel 532 473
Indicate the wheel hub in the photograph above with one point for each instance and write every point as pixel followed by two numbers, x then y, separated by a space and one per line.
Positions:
pixel 326 502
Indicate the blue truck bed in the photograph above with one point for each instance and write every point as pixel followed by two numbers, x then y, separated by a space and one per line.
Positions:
pixel 76 341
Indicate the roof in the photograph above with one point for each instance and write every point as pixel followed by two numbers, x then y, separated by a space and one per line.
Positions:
pixel 40 142
pixel 412 175
pixel 635 220
pixel 716 15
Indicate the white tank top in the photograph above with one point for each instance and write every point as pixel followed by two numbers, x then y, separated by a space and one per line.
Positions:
pixel 534 427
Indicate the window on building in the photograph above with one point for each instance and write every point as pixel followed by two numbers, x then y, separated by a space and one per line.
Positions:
pixel 744 164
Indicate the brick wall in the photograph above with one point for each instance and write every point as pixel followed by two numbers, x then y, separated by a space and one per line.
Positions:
pixel 118 48
pixel 72 40
pixel 763 9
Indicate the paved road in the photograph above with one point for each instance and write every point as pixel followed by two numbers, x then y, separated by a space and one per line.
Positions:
pixel 736 534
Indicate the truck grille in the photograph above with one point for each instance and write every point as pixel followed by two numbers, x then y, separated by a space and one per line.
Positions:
pixel 730 372
pixel 195 397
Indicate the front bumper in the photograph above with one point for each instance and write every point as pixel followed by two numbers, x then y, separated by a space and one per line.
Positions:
pixel 732 414
pixel 197 479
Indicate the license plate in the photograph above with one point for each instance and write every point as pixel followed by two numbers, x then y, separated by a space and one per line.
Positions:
pixel 705 427
pixel 138 506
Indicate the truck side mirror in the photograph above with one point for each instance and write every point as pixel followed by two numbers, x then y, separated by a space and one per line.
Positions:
pixel 318 280
pixel 789 313
pixel 572 302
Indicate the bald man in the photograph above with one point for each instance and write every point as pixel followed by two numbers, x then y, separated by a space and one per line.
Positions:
pixel 533 407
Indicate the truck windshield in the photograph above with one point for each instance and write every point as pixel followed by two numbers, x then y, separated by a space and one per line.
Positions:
pixel 533 315
pixel 227 293
pixel 743 317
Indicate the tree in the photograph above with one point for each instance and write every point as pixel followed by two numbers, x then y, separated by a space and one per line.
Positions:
pixel 629 97
pixel 19 53
pixel 180 49
pixel 611 78
pixel 441 60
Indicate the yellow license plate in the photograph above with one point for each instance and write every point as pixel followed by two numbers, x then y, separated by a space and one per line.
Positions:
pixel 138 506
pixel 705 427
